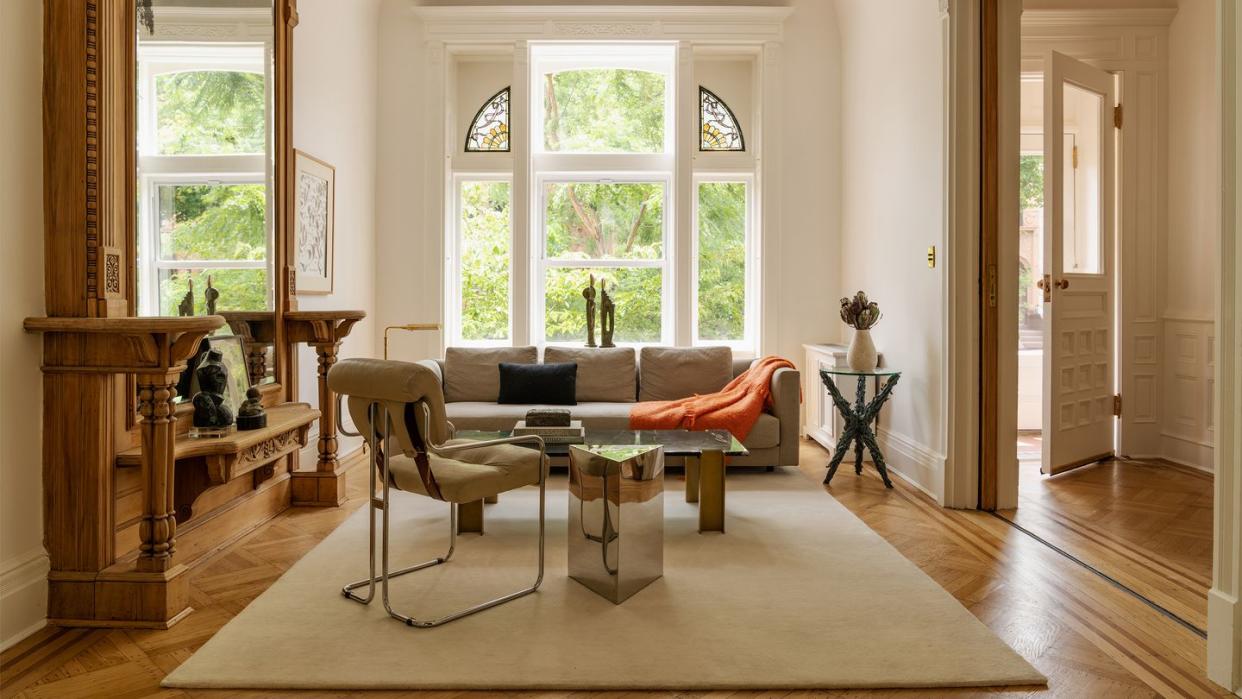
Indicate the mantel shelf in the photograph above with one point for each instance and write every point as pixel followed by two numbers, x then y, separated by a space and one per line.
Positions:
pixel 124 326
pixel 153 346
pixel 287 428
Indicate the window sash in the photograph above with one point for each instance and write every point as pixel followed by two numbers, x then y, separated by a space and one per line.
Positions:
pixel 748 343
pixel 542 263
pixel 452 261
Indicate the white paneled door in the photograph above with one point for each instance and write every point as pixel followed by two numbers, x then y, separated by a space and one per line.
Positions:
pixel 1079 264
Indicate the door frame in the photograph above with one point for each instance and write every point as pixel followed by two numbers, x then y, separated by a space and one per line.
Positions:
pixel 1224 641
pixel 1138 317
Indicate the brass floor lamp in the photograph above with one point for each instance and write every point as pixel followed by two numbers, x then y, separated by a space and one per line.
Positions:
pixel 409 327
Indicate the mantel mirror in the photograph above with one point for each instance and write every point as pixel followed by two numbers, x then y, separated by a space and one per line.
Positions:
pixel 205 121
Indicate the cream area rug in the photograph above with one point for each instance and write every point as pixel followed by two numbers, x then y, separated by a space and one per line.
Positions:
pixel 798 593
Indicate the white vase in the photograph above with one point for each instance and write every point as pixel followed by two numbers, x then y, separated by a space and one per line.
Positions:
pixel 861 355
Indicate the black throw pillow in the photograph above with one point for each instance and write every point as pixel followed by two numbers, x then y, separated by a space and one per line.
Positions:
pixel 549 384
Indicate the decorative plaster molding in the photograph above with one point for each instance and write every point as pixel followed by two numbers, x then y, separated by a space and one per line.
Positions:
pixel 620 22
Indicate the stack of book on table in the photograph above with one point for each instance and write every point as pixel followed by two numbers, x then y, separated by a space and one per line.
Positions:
pixel 553 425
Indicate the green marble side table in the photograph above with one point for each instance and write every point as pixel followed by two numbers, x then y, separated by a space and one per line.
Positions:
pixel 858 418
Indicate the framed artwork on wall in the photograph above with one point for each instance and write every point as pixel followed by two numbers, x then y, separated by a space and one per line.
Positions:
pixel 314 223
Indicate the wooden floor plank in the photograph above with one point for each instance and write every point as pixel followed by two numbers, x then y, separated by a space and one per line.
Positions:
pixel 1089 638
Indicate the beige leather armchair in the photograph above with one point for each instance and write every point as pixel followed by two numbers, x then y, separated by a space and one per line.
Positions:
pixel 399 409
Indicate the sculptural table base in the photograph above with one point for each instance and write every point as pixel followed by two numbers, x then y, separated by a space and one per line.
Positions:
pixel 858 420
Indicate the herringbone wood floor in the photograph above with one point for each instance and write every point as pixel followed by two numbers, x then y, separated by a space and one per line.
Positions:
pixel 1089 638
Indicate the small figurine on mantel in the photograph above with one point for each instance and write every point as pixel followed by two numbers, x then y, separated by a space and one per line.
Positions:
pixel 213 417
pixel 186 307
pixel 210 296
pixel 589 294
pixel 251 415
pixel 607 316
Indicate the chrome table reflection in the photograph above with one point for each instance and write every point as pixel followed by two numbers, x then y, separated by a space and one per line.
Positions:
pixel 616 518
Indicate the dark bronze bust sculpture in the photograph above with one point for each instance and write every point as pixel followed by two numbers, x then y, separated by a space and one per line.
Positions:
pixel 212 413
pixel 251 415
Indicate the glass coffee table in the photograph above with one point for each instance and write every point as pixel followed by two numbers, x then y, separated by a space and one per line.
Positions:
pixel 704 452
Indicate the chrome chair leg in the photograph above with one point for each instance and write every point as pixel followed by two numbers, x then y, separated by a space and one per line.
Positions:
pixel 385 575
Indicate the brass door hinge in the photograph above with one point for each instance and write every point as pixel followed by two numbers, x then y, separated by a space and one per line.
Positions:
pixel 992 287
pixel 1117 405
pixel 1075 157
pixel 1117 116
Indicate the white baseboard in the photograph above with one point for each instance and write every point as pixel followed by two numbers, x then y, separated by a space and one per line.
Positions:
pixel 23 596
pixel 1187 451
pixel 914 462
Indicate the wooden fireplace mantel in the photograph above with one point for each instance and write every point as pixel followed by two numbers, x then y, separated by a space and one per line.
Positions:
pixel 324 331
pixel 78 492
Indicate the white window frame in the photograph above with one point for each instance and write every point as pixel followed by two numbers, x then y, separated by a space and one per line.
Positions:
pixel 680 168
pixel 541 263
pixel 452 260
pixel 748 345
pixel 556 167
pixel 156 170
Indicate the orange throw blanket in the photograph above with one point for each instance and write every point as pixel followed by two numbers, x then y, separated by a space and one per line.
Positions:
pixel 736 407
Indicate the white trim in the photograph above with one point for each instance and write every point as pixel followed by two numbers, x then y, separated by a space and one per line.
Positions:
pixel 711 23
pixel 18 600
pixel 1119 17
pixel 960 32
pixel 1224 641
pixel 916 463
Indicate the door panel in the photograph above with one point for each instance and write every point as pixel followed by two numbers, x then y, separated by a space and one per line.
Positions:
pixel 1079 176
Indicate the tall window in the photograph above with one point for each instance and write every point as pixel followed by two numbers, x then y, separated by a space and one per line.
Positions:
pixel 595 164
pixel 204 206
pixel 602 164
pixel 484 255
pixel 725 261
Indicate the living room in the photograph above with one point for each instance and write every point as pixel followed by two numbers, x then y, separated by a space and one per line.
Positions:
pixel 622 285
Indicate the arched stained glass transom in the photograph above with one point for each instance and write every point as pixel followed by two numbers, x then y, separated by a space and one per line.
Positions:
pixel 718 128
pixel 489 131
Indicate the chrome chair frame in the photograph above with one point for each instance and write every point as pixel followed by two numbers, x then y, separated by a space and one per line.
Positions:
pixel 382 504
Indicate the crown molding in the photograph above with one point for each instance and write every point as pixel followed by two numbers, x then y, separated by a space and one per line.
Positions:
pixel 1132 17
pixel 702 23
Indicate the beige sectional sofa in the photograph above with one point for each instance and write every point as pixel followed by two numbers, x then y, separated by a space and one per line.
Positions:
pixel 610 381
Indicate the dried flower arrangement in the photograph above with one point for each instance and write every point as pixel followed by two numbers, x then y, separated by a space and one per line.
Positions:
pixel 860 312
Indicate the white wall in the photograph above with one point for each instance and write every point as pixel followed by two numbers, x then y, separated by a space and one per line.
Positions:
pixel 1190 243
pixel 23 562
pixel 335 68
pixel 409 271
pixel 892 112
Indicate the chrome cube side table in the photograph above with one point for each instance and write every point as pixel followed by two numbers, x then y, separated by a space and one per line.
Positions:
pixel 616 518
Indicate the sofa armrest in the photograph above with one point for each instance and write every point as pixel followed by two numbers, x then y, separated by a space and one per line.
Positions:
pixel 787 407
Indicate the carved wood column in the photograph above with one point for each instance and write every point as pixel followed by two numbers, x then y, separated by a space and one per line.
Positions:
pixel 158 531
pixel 322 330
pixel 87 585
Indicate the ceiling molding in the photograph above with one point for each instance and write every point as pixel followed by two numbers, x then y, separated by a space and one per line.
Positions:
pixel 1133 17
pixel 701 23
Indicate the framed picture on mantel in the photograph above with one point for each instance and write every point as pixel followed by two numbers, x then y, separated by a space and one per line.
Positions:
pixel 314 214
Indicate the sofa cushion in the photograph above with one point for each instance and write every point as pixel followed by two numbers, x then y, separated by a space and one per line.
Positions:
pixel 473 373
pixel 477 415
pixel 765 434
pixel 604 374
pixel 669 373
pixel 537 383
